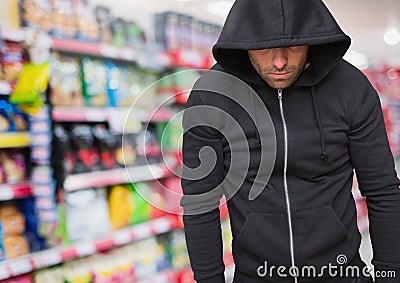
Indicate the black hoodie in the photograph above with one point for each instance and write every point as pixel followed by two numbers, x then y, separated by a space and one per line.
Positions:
pixel 327 124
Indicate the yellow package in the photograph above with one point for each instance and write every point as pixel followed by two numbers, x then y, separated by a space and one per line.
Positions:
pixel 31 84
pixel 121 207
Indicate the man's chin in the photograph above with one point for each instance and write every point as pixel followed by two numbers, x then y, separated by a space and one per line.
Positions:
pixel 278 84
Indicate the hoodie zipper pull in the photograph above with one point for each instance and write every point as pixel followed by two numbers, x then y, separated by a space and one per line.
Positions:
pixel 280 92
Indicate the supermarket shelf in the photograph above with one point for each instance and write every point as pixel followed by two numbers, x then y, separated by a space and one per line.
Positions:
pixel 47 258
pixel 5 88
pixel 79 114
pixel 14 139
pixel 17 35
pixel 116 176
pixel 94 49
pixel 104 114
pixel 165 276
pixel 188 59
pixel 15 191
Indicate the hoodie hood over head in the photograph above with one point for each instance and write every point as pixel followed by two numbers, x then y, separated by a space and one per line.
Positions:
pixel 262 24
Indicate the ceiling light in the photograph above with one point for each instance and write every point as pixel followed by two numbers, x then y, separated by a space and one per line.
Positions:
pixel 392 36
pixel 220 8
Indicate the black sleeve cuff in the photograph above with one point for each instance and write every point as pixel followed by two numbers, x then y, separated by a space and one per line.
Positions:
pixel 220 278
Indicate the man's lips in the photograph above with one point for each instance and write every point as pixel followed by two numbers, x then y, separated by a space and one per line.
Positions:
pixel 280 75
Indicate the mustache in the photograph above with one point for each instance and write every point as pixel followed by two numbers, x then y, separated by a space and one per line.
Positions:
pixel 286 69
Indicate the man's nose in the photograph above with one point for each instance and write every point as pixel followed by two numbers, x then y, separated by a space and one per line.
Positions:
pixel 279 59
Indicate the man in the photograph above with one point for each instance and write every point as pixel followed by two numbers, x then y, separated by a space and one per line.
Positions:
pixel 327 120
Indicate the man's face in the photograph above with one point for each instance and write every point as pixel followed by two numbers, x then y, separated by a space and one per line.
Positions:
pixel 279 67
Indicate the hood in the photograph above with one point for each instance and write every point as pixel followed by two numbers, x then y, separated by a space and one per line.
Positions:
pixel 261 24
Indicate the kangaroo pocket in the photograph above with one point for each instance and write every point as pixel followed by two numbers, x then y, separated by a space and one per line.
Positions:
pixel 264 237
pixel 322 239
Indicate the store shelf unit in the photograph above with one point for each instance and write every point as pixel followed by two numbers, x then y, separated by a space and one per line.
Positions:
pixel 168 275
pixel 116 176
pixel 104 114
pixel 94 49
pixel 50 257
pixel 15 191
pixel 186 58
pixel 14 139
pixel 13 34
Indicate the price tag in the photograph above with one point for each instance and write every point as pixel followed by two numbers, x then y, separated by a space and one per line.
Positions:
pixel 161 225
pixel 192 58
pixel 5 87
pixel 142 231
pixel 117 118
pixel 85 249
pixel 4 273
pixel 95 115
pixel 6 192
pixel 20 266
pixel 109 51
pixel 128 54
pixel 48 258
pixel 122 238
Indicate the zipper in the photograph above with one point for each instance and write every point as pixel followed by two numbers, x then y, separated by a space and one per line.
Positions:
pixel 285 186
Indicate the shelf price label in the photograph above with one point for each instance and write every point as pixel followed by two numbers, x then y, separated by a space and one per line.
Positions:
pixel 142 231
pixel 6 192
pixel 5 88
pixel 48 258
pixel 4 273
pixel 20 266
pixel 122 238
pixel 161 225
pixel 109 51
pixel 85 249
pixel 95 115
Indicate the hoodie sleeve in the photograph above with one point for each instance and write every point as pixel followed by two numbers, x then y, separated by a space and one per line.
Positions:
pixel 373 161
pixel 202 216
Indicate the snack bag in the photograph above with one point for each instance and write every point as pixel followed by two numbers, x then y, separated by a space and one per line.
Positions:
pixel 37 14
pixel 105 144
pixel 31 84
pixel 13 163
pixel 83 144
pixel 94 82
pixel 65 81
pixel 88 29
pixel 12 60
pixel 15 246
pixel 12 220
pixel 103 17
pixel 64 150
pixel 64 19
pixel 121 206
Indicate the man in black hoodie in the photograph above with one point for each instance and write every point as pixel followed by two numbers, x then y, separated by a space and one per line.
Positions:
pixel 326 122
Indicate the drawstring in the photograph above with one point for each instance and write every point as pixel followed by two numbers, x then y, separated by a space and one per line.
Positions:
pixel 258 142
pixel 324 155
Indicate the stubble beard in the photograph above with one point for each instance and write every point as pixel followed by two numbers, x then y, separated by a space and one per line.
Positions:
pixel 280 83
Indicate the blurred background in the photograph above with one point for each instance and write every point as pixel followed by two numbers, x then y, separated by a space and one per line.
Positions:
pixel 88 190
